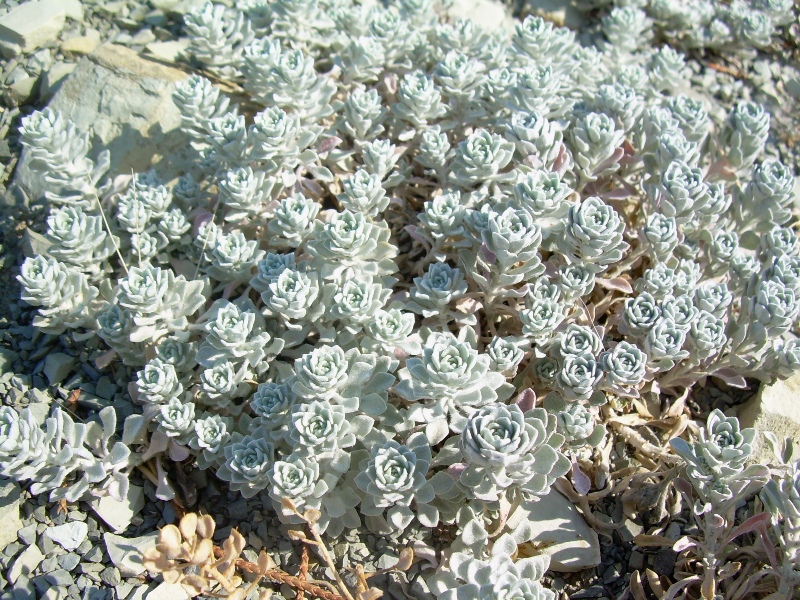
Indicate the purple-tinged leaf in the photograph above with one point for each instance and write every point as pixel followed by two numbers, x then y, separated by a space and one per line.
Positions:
pixel 328 144
pixel 619 284
pixel 684 543
pixel 526 400
pixel 731 377
pixel 580 480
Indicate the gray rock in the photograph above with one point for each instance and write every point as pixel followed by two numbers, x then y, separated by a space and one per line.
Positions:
pixel 69 561
pixel 571 544
pixel 558 12
pixel 491 14
pixel 105 388
pixel 57 366
pixel 82 44
pixel 53 79
pixel 775 408
pixel 10 522
pixel 168 591
pixel 142 591
pixel 55 593
pixel 60 577
pixel 176 7
pixel 126 553
pixel 94 555
pixel 110 576
pixel 49 564
pixel 23 589
pixel 170 50
pixel 45 544
pixel 141 128
pixel 33 24
pixel 25 564
pixel 27 535
pixel 123 590
pixel 34 244
pixel 7 358
pixel 386 561
pixel 118 515
pixel 69 535
pixel 21 91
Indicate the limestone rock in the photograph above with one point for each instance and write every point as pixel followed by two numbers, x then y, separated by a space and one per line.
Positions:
pixel 176 7
pixel 126 101
pixel 558 12
pixel 25 563
pixel 57 366
pixel 32 24
pixel 82 44
pixel 126 553
pixel 55 76
pixel 167 591
pixel 21 91
pixel 775 408
pixel 34 243
pixel 118 515
pixel 571 544
pixel 169 51
pixel 10 523
pixel 69 535
pixel 490 14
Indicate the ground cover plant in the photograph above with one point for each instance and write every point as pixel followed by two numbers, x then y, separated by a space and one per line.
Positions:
pixel 420 274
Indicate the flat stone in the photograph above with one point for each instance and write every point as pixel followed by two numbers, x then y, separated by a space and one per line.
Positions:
pixel 10 523
pixel 176 7
pixel 144 37
pixel 94 555
pixel 105 388
pixel 69 535
pixel 33 24
pixel 118 515
pixel 141 591
pixel 7 358
pixel 169 50
pixel 27 535
pixel 23 589
pixel 123 590
pixel 774 408
pixel 138 124
pixel 26 564
pixel 69 561
pixel 34 244
pixel 558 12
pixel 53 79
pixel 558 526
pixel 49 564
pixel 83 44
pixel 126 553
pixel 60 577
pixel 489 14
pixel 167 591
pixel 57 366
pixel 110 576
pixel 22 90
pixel 55 593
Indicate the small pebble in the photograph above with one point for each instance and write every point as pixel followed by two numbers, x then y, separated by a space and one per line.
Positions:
pixel 69 561
pixel 60 577
pixel 664 562
pixel 27 535
pixel 49 564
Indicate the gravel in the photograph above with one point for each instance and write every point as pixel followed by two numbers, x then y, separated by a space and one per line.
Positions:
pixel 35 368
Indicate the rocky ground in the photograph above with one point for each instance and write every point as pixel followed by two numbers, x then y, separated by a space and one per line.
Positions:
pixel 87 550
